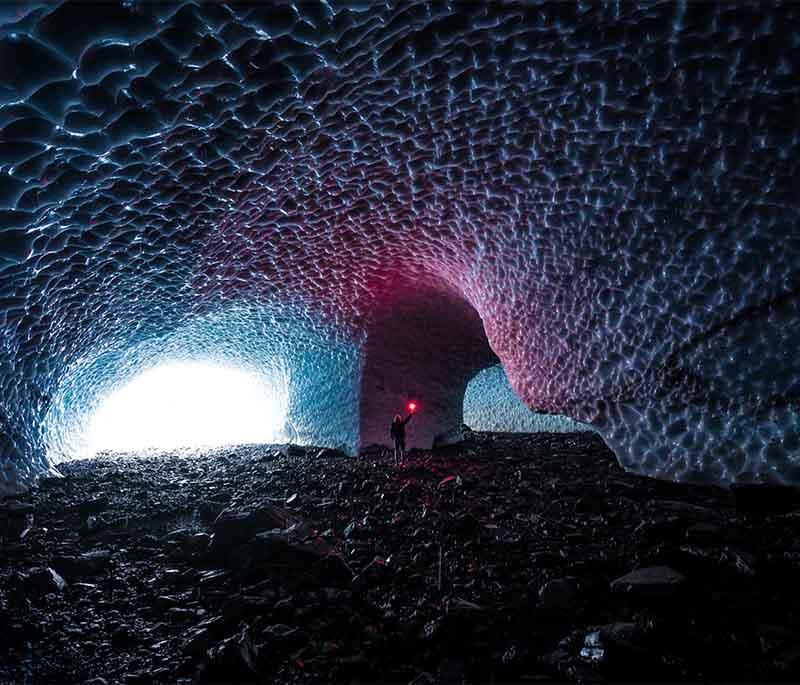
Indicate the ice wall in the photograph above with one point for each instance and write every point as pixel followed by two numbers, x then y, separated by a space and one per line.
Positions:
pixel 610 188
pixel 490 404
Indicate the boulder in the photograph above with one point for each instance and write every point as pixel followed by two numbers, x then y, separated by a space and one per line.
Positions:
pixel 90 506
pixel 330 453
pixel 80 566
pixel 234 527
pixel 653 581
pixel 43 580
pixel 333 570
pixel 277 547
pixel 559 595
pixel 234 659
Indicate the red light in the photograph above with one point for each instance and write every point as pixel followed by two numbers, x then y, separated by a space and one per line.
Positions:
pixel 412 406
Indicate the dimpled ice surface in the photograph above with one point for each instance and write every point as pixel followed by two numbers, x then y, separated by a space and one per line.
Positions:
pixel 368 203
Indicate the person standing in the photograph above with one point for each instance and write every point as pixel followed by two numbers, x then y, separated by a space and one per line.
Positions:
pixel 398 433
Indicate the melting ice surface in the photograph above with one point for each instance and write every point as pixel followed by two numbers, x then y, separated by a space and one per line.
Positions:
pixel 188 404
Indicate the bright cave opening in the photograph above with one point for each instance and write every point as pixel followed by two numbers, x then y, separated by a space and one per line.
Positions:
pixel 490 404
pixel 188 404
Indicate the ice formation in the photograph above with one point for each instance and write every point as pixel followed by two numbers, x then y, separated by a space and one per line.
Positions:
pixel 490 404
pixel 370 201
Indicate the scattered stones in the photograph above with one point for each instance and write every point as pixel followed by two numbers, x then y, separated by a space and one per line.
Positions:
pixel 492 562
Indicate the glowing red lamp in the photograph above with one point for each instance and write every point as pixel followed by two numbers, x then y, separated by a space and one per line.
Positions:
pixel 412 407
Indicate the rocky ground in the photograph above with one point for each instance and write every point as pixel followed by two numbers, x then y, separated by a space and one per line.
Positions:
pixel 522 558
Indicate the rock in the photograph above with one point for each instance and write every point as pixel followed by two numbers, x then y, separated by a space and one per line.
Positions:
pixel 43 580
pixel 196 543
pixel 330 453
pixel 560 595
pixel 466 526
pixel 91 524
pixel 234 527
pixel 234 659
pixel 14 508
pixel 52 478
pixel 653 581
pixel 16 519
pixel 197 642
pixel 275 547
pixel 290 450
pixel 374 573
pixel 453 480
pixel 124 635
pixel 242 606
pixel 554 514
pixel 708 533
pixel 285 638
pixel 615 649
pixel 203 636
pixel 452 671
pixel 682 509
pixel 593 649
pixel 87 564
pixel 463 609
pixel 90 506
pixel 333 570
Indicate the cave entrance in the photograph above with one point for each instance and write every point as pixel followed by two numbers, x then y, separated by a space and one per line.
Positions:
pixel 424 343
pixel 188 404
pixel 490 404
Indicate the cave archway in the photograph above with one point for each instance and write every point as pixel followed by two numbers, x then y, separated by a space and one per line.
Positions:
pixel 490 404
pixel 424 343
pixel 310 370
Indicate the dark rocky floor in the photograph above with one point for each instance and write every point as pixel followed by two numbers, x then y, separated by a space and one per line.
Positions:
pixel 503 560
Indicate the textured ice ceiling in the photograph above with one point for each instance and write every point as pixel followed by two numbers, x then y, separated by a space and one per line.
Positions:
pixel 376 201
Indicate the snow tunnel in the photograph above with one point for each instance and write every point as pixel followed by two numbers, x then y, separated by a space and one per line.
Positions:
pixel 363 204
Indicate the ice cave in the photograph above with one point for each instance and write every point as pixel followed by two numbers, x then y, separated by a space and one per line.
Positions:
pixel 361 203
pixel 399 341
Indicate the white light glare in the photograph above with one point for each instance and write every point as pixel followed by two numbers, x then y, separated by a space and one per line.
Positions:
pixel 189 404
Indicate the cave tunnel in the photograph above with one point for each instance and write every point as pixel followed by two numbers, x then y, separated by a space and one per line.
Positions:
pixel 362 205
pixel 237 237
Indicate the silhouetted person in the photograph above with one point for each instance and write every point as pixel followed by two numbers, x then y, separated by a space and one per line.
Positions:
pixel 398 433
